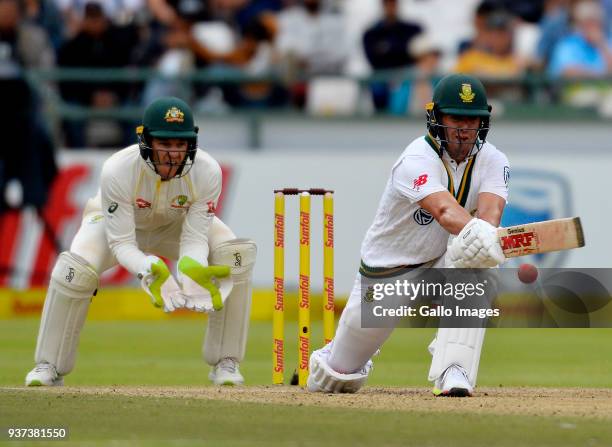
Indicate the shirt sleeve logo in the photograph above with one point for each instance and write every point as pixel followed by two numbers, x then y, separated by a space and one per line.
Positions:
pixel 506 175
pixel 420 181
pixel 113 207
pixel 211 207
pixel 142 203
pixel 95 219
pixel 422 217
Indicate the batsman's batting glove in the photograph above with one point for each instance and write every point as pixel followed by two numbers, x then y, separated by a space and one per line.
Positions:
pixel 160 285
pixel 205 288
pixel 476 246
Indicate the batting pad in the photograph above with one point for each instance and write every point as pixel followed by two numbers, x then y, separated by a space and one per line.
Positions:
pixel 73 282
pixel 456 346
pixel 323 378
pixel 228 328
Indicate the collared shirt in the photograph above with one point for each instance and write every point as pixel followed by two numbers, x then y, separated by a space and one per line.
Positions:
pixel 405 234
pixel 134 198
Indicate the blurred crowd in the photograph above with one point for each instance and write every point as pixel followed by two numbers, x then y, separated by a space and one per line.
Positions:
pixel 298 53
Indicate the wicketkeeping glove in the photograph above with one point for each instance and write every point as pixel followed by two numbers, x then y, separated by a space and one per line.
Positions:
pixel 160 285
pixel 205 288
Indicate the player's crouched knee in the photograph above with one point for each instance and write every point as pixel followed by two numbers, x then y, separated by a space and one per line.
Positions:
pixel 73 276
pixel 238 253
pixel 324 379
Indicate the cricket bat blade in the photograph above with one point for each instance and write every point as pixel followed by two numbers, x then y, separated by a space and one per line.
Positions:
pixel 541 237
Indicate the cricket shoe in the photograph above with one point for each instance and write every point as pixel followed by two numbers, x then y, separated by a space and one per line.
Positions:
pixel 453 383
pixel 226 372
pixel 44 374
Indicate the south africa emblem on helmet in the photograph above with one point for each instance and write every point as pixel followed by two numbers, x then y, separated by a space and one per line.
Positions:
pixel 467 95
pixel 174 115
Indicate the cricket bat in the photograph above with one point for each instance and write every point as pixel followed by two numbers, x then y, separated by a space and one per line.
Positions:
pixel 541 237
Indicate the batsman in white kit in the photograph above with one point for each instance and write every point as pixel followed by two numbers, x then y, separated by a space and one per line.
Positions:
pixel 157 199
pixel 449 182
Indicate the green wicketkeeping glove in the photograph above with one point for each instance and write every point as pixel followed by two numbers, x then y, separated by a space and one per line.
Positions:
pixel 205 288
pixel 160 285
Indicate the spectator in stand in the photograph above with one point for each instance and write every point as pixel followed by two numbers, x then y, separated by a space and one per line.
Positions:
pixel 310 41
pixel 553 27
pixel 387 43
pixel 428 57
pixel 482 13
pixel 118 12
pixel 494 56
pixel 46 14
pixel 166 33
pixel 97 44
pixel 587 51
pixel 607 6
pixel 526 10
pixel 447 22
pixel 26 155
pixel 162 11
pixel 303 39
pixel 387 46
pixel 167 47
pixel 311 38
pixel 250 54
pixel 243 12
pixel 21 42
pixel 411 96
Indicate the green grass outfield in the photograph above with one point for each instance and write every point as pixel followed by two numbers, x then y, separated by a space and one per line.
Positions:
pixel 167 354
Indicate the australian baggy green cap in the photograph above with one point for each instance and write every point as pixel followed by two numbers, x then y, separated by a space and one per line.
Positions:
pixel 169 117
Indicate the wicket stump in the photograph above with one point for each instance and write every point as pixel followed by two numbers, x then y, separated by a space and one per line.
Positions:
pixel 278 325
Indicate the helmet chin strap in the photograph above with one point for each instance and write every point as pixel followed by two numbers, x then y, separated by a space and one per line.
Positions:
pixel 146 152
pixel 474 149
pixel 178 172
pixel 442 138
pixel 155 168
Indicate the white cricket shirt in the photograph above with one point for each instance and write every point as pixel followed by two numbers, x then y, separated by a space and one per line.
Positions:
pixel 405 234
pixel 133 197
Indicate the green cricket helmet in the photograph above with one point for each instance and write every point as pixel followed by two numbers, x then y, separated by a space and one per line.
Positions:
pixel 165 118
pixel 462 95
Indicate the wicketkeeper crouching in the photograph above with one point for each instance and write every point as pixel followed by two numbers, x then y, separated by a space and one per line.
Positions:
pixel 157 199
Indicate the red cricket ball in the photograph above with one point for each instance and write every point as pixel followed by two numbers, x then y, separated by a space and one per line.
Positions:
pixel 527 273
